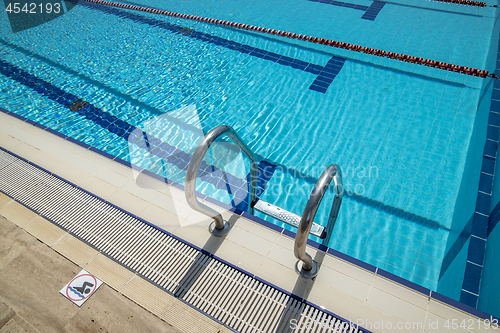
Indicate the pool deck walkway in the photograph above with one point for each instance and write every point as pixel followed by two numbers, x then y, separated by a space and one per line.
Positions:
pixel 31 274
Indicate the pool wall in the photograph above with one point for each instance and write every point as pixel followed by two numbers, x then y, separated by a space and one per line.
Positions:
pixel 489 291
pixel 478 231
pixel 471 274
pixel 494 66
pixel 469 200
pixel 454 262
pixel 495 196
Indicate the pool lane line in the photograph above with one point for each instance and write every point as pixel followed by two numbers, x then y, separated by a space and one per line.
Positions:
pixel 377 6
pixel 220 179
pixel 357 48
pixel 371 11
pixel 325 74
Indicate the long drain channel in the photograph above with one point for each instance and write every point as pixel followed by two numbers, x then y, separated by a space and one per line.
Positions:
pixel 232 297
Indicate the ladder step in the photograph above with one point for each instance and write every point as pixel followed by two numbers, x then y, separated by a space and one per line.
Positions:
pixel 286 217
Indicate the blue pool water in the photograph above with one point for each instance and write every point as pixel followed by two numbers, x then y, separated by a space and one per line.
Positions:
pixel 400 132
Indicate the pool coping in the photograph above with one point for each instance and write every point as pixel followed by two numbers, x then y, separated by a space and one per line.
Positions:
pixel 356 262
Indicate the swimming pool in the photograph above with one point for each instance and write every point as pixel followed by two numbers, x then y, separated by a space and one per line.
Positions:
pixel 401 132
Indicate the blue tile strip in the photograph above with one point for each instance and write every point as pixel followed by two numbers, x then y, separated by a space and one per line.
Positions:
pixel 209 173
pixel 382 3
pixel 456 247
pixel 493 134
pixel 265 172
pixel 371 12
pixel 342 4
pixel 327 74
pixel 484 221
pixel 493 219
pixel 242 48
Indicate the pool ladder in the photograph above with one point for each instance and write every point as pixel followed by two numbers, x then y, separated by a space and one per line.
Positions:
pixel 305 266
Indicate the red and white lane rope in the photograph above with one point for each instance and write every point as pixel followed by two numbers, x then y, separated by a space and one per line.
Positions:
pixel 465 2
pixel 322 41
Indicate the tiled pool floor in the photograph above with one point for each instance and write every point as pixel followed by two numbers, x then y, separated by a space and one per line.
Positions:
pixel 343 288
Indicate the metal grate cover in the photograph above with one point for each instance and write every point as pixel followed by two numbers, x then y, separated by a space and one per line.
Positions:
pixel 232 297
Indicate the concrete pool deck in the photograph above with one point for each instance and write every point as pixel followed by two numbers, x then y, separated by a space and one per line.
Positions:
pixel 33 273
pixel 341 287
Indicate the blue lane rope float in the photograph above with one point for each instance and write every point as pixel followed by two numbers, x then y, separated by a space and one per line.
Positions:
pixel 357 48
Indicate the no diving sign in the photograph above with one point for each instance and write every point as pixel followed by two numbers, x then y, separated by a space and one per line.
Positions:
pixel 81 287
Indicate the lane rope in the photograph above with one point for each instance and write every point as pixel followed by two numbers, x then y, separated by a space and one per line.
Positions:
pixel 342 45
pixel 465 2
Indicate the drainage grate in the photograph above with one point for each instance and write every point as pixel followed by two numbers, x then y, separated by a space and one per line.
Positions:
pixel 236 299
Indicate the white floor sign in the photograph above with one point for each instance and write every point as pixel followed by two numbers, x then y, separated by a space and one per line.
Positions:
pixel 81 287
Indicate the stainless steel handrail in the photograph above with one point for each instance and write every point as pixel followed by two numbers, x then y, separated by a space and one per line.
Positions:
pixel 219 227
pixel 309 268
